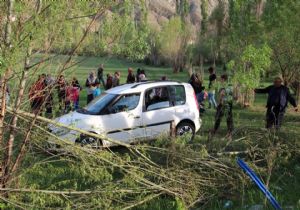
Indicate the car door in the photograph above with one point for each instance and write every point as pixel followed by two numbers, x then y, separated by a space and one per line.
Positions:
pixel 158 112
pixel 123 121
pixel 178 99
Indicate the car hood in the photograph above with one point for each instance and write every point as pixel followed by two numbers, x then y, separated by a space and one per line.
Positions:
pixel 72 119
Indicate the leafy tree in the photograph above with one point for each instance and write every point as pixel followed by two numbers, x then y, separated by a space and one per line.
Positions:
pixel 282 29
pixel 154 57
pixel 243 27
pixel 32 28
pixel 217 19
pixel 121 35
pixel 247 70
pixel 173 41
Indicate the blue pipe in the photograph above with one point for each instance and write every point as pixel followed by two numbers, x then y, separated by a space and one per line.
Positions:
pixel 259 183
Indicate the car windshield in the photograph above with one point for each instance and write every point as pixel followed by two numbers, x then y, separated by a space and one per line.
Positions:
pixel 98 104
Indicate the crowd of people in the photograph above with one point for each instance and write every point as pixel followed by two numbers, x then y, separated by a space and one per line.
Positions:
pixel 41 94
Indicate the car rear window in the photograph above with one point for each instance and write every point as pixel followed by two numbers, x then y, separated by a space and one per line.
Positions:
pixel 177 94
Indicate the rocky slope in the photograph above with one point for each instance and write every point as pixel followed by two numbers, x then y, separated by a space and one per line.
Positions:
pixel 160 11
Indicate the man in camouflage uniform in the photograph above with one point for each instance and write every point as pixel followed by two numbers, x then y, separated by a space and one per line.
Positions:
pixel 224 106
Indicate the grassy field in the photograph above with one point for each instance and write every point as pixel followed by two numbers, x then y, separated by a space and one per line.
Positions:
pixel 285 181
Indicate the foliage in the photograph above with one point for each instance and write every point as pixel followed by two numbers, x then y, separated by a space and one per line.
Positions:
pixel 234 26
pixel 121 35
pixel 210 41
pixel 182 8
pixel 282 28
pixel 31 28
pixel 173 41
pixel 247 70
pixel 250 66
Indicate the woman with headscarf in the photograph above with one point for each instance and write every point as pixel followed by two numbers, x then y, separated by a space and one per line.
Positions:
pixel 92 83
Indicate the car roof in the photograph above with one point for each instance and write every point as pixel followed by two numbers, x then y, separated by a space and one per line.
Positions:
pixel 140 86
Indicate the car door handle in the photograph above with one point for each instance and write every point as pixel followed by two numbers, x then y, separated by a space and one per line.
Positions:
pixel 137 117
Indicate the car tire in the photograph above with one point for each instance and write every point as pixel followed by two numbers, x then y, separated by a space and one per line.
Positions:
pixel 185 128
pixel 85 140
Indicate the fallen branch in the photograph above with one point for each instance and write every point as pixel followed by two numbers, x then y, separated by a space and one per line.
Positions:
pixel 67 192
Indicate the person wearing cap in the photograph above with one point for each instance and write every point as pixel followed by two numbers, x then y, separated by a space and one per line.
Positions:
pixel 278 98
pixel 130 76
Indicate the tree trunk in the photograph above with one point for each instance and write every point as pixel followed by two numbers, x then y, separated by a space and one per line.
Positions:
pixel 3 106
pixel 19 97
pixel 259 9
pixel 7 41
pixel 13 125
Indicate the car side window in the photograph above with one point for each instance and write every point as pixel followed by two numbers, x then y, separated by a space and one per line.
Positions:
pixel 157 98
pixel 125 103
pixel 177 94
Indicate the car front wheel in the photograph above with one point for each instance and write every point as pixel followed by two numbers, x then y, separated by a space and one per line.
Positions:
pixel 90 141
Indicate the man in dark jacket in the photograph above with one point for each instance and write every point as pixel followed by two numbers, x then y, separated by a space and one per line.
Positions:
pixel 278 98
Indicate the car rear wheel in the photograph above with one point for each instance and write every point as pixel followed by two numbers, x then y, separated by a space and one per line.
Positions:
pixel 186 129
pixel 90 141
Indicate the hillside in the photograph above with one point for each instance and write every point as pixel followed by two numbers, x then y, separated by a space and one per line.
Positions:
pixel 160 11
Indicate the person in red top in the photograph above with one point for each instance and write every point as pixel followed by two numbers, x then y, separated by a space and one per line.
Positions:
pixel 37 94
pixel 76 85
pixel 72 96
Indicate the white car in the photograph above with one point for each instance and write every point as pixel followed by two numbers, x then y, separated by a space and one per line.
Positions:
pixel 134 112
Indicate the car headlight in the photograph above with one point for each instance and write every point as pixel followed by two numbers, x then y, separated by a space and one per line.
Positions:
pixel 62 131
pixel 58 131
